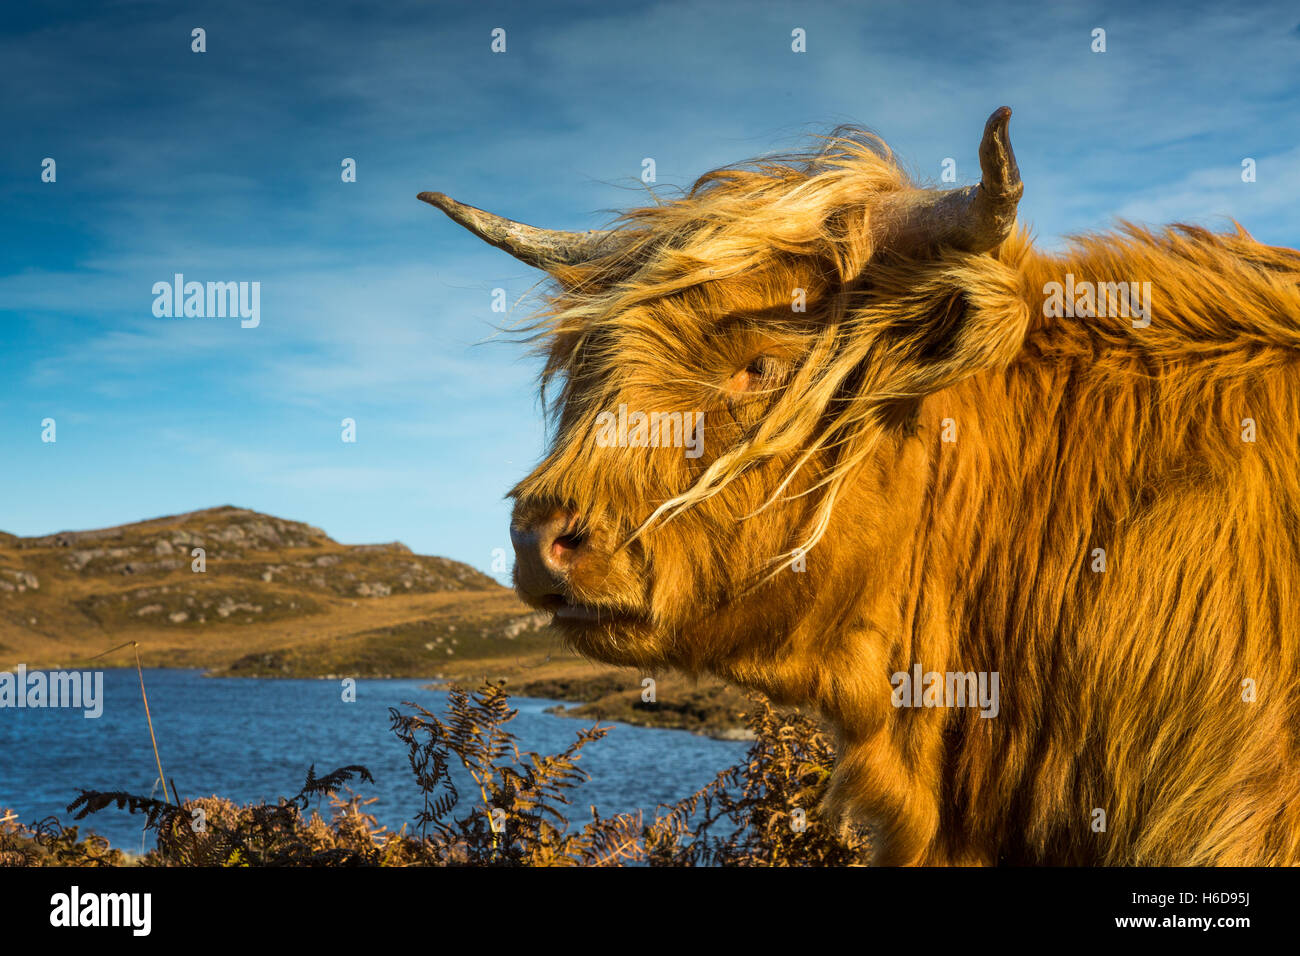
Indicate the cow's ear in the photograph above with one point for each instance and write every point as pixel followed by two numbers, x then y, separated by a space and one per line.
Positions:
pixel 941 322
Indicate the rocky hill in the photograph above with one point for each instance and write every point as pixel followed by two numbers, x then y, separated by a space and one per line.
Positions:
pixel 211 587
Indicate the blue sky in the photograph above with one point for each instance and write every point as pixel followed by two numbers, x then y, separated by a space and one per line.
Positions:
pixel 226 166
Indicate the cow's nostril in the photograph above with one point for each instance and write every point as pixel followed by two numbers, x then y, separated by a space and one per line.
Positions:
pixel 565 548
pixel 545 551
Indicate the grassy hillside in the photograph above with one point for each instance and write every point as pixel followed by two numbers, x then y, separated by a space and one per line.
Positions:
pixel 268 585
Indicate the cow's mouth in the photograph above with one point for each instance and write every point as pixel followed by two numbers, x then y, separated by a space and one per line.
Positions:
pixel 567 610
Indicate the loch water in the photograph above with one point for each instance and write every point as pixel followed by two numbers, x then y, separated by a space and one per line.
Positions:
pixel 253 739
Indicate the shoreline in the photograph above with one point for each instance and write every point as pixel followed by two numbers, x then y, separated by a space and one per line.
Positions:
pixel 576 690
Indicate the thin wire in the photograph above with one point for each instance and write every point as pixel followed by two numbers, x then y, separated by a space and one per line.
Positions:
pixel 147 716
pixel 162 778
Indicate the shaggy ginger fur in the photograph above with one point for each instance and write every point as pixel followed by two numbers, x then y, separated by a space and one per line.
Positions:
pixel 829 538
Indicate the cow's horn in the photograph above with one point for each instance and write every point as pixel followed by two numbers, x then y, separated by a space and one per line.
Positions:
pixel 542 248
pixel 974 218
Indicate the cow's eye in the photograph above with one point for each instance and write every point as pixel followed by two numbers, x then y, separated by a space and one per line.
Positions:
pixel 761 373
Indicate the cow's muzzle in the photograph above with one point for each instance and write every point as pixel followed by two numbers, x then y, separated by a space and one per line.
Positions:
pixel 546 548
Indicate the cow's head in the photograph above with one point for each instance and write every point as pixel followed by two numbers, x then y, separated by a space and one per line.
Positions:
pixel 805 308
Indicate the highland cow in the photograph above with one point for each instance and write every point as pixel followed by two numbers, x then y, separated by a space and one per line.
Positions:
pixel 919 460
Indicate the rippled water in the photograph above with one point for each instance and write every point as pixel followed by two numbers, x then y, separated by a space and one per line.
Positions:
pixel 252 740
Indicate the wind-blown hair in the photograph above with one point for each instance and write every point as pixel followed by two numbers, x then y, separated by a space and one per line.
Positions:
pixel 1102 510
pixel 775 224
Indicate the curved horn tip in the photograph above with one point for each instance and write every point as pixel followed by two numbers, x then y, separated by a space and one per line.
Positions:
pixel 1000 172
pixel 997 132
pixel 543 248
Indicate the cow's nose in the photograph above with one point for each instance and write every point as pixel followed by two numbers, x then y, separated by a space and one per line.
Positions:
pixel 544 552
